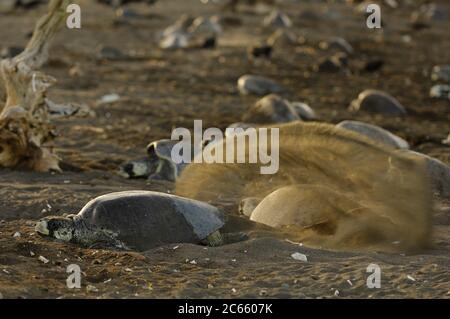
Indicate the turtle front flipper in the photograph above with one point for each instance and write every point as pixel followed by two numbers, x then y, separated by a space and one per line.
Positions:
pixel 213 240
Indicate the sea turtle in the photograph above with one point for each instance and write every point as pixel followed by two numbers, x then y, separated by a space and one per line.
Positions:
pixel 138 220
pixel 158 164
pixel 304 205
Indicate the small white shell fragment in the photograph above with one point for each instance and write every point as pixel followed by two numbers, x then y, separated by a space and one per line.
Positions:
pixel 233 290
pixel 110 98
pixel 43 259
pixel 293 242
pixel 336 293
pixel 91 288
pixel 349 282
pixel 411 278
pixel 17 234
pixel 193 262
pixel 299 256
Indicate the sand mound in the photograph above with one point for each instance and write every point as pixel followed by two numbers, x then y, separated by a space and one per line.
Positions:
pixel 390 194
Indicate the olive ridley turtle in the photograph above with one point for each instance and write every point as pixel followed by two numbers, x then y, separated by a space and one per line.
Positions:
pixel 138 220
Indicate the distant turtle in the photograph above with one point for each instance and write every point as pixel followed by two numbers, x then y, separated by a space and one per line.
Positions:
pixel 138 220
pixel 166 168
pixel 158 165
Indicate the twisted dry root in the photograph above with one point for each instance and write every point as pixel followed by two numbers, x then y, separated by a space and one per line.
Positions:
pixel 25 118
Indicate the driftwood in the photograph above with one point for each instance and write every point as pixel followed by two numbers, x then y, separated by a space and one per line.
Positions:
pixel 25 127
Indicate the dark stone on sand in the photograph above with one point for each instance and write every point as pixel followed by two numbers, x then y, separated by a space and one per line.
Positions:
pixel 110 53
pixel 209 43
pixel 374 101
pixel 373 65
pixel 262 51
pixel 334 64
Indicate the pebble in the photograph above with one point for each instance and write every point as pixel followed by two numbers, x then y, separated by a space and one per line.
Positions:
pixel 258 85
pixel 109 53
pixel 438 171
pixel 271 109
pixel 446 141
pixel 109 98
pixel 277 19
pixel 337 44
pixel 440 91
pixel 209 43
pixel 375 101
pixel 260 51
pixel 299 256
pixel 125 13
pixel 376 133
pixel 332 64
pixel 91 288
pixel 373 65
pixel 304 111
pixel 441 73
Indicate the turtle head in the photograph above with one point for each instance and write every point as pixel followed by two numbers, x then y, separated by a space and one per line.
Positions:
pixel 59 227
